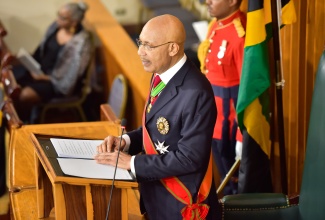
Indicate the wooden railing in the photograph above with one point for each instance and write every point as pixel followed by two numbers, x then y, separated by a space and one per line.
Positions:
pixel 119 55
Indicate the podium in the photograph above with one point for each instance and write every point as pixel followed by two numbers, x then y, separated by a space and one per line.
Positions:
pixel 37 191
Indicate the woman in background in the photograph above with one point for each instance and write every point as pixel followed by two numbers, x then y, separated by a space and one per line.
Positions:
pixel 63 55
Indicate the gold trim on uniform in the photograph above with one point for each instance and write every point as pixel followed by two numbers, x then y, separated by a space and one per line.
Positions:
pixel 162 125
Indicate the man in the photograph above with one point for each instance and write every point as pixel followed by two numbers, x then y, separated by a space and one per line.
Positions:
pixel 171 150
pixel 221 56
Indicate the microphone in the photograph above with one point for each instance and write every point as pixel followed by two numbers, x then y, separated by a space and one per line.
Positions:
pixel 123 124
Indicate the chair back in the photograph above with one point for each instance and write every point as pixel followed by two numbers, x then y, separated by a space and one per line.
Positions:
pixel 118 95
pixel 312 193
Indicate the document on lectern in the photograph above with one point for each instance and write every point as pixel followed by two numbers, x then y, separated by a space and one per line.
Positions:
pixel 91 169
pixel 75 148
pixel 75 157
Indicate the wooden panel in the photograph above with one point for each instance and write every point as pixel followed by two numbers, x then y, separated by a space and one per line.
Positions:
pixel 302 45
pixel 27 207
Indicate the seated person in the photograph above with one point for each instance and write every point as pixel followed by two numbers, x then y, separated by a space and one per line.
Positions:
pixel 63 55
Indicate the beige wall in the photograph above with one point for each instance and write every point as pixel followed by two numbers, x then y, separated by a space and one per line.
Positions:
pixel 26 21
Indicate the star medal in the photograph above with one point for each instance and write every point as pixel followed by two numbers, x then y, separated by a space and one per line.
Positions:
pixel 222 50
pixel 162 125
pixel 161 148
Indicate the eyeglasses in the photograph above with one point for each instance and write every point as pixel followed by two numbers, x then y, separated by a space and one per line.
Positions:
pixel 149 47
pixel 62 18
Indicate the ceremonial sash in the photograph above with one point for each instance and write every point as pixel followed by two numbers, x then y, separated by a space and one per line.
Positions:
pixel 191 211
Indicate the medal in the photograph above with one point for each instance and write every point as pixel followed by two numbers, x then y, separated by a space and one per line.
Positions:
pixel 149 107
pixel 161 148
pixel 162 125
pixel 222 49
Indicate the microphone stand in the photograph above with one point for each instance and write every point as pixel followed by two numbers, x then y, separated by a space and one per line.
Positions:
pixel 123 123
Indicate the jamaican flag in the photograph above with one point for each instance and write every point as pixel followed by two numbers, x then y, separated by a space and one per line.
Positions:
pixel 253 97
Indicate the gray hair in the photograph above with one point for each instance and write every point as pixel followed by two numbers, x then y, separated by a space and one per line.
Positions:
pixel 77 9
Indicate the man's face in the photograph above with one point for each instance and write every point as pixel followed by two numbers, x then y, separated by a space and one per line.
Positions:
pixel 218 8
pixel 154 60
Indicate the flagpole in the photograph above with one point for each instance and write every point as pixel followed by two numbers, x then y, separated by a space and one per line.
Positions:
pixel 275 5
pixel 230 174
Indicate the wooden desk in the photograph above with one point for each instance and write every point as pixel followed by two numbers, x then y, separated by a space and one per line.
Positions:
pixel 22 177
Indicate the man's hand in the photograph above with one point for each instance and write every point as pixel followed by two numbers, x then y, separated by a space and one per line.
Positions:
pixel 110 143
pixel 111 157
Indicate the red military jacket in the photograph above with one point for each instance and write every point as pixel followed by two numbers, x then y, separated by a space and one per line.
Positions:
pixel 225 55
pixel 221 57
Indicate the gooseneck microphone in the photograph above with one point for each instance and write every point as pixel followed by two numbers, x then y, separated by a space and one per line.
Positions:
pixel 123 124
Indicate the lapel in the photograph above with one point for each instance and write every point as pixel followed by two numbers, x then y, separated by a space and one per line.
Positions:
pixel 170 91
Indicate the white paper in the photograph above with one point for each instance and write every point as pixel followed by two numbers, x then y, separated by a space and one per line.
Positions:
pixel 75 148
pixel 29 62
pixel 201 29
pixel 91 169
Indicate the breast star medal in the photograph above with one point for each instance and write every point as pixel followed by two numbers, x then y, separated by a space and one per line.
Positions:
pixel 162 125
pixel 161 148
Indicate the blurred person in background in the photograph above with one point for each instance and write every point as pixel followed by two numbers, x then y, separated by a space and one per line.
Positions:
pixel 221 57
pixel 63 55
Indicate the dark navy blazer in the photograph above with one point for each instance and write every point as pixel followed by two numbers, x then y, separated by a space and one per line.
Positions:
pixel 187 103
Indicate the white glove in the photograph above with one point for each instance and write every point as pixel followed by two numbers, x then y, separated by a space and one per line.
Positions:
pixel 239 148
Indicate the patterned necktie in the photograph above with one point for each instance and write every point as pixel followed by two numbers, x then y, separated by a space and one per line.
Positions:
pixel 156 81
pixel 157 86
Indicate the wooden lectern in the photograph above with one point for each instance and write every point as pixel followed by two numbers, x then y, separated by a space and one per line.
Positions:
pixel 38 192
pixel 73 197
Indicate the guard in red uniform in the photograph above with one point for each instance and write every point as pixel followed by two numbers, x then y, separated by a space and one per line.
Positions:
pixel 221 56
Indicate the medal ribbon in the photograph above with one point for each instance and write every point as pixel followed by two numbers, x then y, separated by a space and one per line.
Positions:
pixel 155 91
pixel 196 211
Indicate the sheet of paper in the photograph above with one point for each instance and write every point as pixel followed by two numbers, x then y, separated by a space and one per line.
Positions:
pixel 201 29
pixel 75 148
pixel 91 169
pixel 29 62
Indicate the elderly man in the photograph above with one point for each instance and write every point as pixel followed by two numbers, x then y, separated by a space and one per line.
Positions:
pixel 170 154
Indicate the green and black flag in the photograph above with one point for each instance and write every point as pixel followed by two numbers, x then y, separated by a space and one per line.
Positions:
pixel 253 97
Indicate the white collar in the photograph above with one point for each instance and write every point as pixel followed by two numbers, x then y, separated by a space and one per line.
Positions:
pixel 166 76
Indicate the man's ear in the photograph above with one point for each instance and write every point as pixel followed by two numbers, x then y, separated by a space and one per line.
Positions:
pixel 232 3
pixel 173 49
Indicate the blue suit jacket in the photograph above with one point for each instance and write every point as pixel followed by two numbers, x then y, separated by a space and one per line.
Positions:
pixel 187 103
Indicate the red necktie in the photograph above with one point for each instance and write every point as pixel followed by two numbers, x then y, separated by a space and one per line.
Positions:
pixel 156 81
